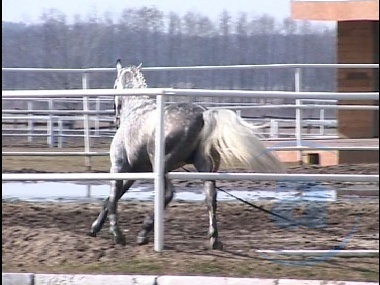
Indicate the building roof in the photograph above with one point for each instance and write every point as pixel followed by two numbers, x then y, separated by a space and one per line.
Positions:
pixel 339 10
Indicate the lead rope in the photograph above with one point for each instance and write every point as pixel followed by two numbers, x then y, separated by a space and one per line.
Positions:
pixel 293 223
pixel 254 206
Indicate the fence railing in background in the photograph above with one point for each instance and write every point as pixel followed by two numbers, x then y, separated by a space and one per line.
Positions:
pixel 58 124
pixel 158 174
pixel 299 106
pixel 192 92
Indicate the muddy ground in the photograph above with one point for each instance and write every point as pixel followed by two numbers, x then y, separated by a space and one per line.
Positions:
pixel 52 237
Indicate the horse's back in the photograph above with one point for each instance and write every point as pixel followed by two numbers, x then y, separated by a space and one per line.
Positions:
pixel 183 120
pixel 183 114
pixel 183 124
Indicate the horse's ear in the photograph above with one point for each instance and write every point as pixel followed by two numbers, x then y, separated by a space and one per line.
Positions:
pixel 118 65
pixel 139 66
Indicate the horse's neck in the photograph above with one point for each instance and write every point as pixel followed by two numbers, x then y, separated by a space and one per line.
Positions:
pixel 137 106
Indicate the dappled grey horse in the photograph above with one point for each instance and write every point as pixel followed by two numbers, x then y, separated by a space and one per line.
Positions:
pixel 193 135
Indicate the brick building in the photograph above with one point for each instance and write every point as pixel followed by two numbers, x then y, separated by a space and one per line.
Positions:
pixel 357 42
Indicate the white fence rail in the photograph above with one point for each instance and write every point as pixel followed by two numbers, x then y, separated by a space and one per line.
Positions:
pixel 158 175
pixel 190 92
pixel 273 124
pixel 62 122
pixel 298 68
pixel 190 175
pixel 199 68
pixel 161 93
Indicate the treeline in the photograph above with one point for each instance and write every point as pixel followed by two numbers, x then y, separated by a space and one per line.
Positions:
pixel 153 38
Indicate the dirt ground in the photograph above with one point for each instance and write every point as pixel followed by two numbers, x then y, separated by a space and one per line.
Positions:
pixel 52 237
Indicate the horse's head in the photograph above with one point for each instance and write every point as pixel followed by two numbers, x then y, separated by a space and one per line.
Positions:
pixel 127 77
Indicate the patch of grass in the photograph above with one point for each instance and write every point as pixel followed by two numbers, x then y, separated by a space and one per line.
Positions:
pixel 371 275
pixel 340 269
pixel 143 266
pixel 53 164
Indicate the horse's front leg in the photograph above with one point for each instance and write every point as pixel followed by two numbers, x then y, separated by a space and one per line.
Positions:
pixel 116 188
pixel 148 224
pixel 211 195
pixel 99 222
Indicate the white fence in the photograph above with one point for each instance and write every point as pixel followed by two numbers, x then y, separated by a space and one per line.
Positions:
pixel 50 133
pixel 273 124
pixel 58 124
pixel 158 175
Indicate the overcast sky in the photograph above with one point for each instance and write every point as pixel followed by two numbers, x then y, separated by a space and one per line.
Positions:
pixel 30 10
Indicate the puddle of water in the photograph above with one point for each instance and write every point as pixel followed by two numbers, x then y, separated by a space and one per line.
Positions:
pixel 70 192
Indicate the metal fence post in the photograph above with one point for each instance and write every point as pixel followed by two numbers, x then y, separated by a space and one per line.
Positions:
pixel 60 133
pixel 86 124
pixel 30 122
pixel 97 123
pixel 159 184
pixel 273 132
pixel 297 87
pixel 322 121
pixel 50 125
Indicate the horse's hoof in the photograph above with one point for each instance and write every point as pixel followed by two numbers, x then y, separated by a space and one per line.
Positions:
pixel 141 240
pixel 216 244
pixel 95 228
pixel 117 236
pixel 119 239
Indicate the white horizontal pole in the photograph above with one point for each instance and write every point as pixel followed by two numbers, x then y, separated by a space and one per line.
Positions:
pixel 63 100
pixel 274 94
pixel 325 148
pixel 338 107
pixel 39 117
pixel 273 176
pixel 347 253
pixel 62 135
pixel 75 176
pixel 191 175
pixel 54 153
pixel 46 117
pixel 316 100
pixel 193 92
pixel 262 66
pixel 81 92
pixel 66 153
pixel 68 70
pixel 57 112
pixel 204 67
pixel 269 106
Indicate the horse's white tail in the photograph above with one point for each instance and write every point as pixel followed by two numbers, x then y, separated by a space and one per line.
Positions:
pixel 237 142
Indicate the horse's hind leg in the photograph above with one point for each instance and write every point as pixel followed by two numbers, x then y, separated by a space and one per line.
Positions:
pixel 211 194
pixel 148 224
pixel 203 165
pixel 99 222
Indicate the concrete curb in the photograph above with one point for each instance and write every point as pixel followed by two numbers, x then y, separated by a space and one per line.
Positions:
pixel 17 278
pixel 87 279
